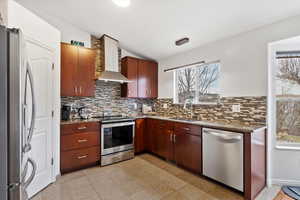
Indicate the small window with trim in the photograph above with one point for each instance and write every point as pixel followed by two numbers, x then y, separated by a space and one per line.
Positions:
pixel 197 84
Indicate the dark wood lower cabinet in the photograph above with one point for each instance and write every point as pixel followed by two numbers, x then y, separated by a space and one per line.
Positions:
pixel 162 140
pixel 79 146
pixel 79 158
pixel 182 143
pixel 188 151
pixel 176 144
pixel 254 163
pixel 140 136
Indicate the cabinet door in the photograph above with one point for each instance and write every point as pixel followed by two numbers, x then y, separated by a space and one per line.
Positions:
pixel 161 142
pixel 162 139
pixel 188 151
pixel 153 76
pixel 144 79
pixel 69 62
pixel 139 140
pixel 86 72
pixel 130 70
pixel 149 134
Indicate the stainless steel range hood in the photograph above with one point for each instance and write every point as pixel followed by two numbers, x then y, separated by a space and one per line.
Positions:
pixel 110 61
pixel 113 76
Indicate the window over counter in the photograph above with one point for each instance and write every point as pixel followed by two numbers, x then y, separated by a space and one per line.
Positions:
pixel 288 97
pixel 197 84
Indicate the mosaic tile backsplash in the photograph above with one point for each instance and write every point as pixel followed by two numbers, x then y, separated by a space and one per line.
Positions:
pixel 252 110
pixel 108 99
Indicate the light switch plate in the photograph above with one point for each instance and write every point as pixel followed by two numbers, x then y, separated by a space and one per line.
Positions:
pixel 165 105
pixel 236 108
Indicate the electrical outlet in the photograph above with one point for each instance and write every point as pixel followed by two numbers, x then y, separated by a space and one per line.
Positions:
pixel 165 105
pixel 236 108
pixel 134 106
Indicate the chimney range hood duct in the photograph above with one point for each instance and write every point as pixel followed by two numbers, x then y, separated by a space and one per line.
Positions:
pixel 110 62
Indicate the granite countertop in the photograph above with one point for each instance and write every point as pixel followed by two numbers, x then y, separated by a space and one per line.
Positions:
pixel 237 127
pixel 75 121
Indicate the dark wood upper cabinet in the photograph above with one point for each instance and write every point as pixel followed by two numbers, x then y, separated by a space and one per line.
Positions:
pixel 86 71
pixel 77 71
pixel 154 79
pixel 144 77
pixel 130 70
pixel 144 83
pixel 68 70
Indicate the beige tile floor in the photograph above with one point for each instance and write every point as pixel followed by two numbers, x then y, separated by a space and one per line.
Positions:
pixel 143 178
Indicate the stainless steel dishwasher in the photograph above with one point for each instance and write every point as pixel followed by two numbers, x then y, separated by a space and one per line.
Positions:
pixel 223 157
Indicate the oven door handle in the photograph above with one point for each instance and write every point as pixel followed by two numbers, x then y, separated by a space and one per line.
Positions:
pixel 118 124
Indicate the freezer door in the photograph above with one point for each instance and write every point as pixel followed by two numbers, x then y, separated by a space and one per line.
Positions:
pixel 3 114
pixel 15 112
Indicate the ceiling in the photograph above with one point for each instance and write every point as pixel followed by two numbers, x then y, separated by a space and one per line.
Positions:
pixel 150 27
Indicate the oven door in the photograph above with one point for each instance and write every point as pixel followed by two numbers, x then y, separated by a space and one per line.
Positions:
pixel 117 137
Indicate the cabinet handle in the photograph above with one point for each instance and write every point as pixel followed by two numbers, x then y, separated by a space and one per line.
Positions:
pixel 171 136
pixel 82 141
pixel 75 88
pixel 187 129
pixel 82 157
pixel 174 138
pixel 82 128
pixel 80 90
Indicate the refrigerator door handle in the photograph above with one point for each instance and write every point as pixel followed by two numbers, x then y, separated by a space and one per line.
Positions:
pixel 33 112
pixel 31 177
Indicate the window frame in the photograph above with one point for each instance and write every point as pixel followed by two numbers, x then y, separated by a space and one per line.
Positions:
pixel 196 100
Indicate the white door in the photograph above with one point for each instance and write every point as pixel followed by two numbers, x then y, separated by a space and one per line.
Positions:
pixel 41 59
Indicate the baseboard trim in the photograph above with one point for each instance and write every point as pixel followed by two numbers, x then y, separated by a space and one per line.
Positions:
pixel 285 182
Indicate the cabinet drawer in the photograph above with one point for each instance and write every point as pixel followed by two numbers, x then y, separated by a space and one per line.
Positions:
pixel 188 128
pixel 66 129
pixel 71 160
pixel 162 124
pixel 80 140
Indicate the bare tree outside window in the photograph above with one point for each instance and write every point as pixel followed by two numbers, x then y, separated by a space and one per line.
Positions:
pixel 208 83
pixel 186 84
pixel 199 84
pixel 288 98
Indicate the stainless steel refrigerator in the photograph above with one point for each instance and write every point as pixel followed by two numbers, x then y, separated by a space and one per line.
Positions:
pixel 17 116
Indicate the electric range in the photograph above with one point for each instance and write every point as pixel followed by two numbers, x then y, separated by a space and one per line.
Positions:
pixel 117 138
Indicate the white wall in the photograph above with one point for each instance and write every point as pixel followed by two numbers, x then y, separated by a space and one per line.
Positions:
pixel 68 31
pixel 3 12
pixel 284 159
pixel 128 53
pixel 244 72
pixel 244 60
pixel 31 26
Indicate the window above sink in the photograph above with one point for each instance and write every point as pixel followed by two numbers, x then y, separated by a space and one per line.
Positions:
pixel 198 84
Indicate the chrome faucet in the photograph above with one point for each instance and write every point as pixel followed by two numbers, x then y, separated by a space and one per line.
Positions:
pixel 190 102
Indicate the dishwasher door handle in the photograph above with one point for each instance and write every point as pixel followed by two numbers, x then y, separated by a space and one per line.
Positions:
pixel 225 138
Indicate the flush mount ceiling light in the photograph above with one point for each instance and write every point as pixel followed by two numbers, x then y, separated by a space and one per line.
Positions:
pixel 182 41
pixel 122 3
